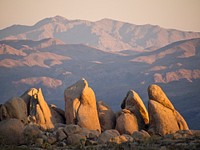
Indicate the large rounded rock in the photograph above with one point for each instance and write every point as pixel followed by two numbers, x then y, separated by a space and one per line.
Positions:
pixel 134 103
pixel 80 106
pixel 107 117
pixel 126 123
pixel 14 108
pixel 11 131
pixel 164 119
pixel 107 135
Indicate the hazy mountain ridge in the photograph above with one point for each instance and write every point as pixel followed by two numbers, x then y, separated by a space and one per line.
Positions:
pixel 105 34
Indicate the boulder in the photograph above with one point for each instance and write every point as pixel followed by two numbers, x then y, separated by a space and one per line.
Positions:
pixel 58 114
pixel 107 117
pixel 164 119
pixel 80 106
pixel 11 131
pixel 14 108
pixel 107 135
pixel 134 103
pixel 126 123
pixel 31 133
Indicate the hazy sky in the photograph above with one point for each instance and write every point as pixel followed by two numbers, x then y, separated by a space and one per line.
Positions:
pixel 178 14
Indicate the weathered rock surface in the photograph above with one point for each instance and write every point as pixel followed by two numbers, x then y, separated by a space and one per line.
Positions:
pixel 58 114
pixel 80 106
pixel 11 131
pixel 133 102
pixel 14 108
pixel 107 117
pixel 107 135
pixel 164 119
pixel 126 122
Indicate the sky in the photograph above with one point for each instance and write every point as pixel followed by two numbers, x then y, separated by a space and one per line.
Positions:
pixel 176 14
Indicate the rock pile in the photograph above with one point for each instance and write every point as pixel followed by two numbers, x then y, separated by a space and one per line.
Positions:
pixel 86 123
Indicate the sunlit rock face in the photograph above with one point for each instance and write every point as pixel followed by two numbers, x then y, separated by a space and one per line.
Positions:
pixel 134 103
pixel 38 110
pixel 164 119
pixel 80 106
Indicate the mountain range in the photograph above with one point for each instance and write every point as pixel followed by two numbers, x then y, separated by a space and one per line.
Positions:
pixel 113 56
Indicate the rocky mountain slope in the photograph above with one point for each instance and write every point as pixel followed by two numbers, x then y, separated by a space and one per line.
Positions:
pixel 52 65
pixel 105 34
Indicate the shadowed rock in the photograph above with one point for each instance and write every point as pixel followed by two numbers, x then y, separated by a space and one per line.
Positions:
pixel 80 106
pixel 133 102
pixel 164 119
pixel 14 108
pixel 11 131
pixel 126 122
pixel 107 117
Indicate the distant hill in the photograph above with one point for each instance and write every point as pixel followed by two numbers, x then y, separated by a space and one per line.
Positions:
pixel 105 34
pixel 53 65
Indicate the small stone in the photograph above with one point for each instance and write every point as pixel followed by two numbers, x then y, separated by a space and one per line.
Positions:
pixel 107 135
pixel 51 140
pixel 90 142
pixel 140 135
pixel 60 135
pixel 72 129
pixel 76 139
pixel 90 134
pixel 61 144
pixel 39 142
pixel 121 139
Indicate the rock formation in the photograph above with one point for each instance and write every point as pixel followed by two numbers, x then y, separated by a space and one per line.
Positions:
pixel 126 122
pixel 80 106
pixel 164 119
pixel 38 110
pixel 133 102
pixel 23 120
pixel 107 117
pixel 14 108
